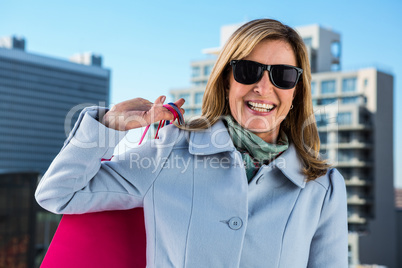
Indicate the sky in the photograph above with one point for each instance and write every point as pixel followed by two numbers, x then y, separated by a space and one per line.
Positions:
pixel 148 45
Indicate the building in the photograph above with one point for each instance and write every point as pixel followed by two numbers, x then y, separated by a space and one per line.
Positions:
pixel 17 218
pixel 352 131
pixel 40 100
pixel 323 47
pixel 354 115
pixel 200 71
pixel 38 92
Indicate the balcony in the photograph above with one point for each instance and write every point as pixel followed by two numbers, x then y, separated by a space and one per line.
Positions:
pixel 357 200
pixel 355 144
pixel 356 181
pixel 352 163
pixel 356 219
pixel 336 127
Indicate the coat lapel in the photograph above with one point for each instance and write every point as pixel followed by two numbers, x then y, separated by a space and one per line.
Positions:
pixel 217 140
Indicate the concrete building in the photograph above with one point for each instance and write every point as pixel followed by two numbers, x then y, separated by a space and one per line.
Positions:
pixel 40 100
pixel 355 127
pixel 37 93
pixel 354 115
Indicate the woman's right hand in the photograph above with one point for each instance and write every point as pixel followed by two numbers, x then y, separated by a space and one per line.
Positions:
pixel 138 112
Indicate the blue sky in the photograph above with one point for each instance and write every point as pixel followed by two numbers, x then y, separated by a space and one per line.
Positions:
pixel 149 45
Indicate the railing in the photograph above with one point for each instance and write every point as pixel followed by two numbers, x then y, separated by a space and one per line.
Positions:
pixel 356 219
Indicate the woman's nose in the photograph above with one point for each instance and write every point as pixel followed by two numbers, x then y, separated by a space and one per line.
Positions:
pixel 264 86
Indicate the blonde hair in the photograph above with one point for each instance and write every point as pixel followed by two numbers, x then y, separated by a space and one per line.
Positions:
pixel 300 125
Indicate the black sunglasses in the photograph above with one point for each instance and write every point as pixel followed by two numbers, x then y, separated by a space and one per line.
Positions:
pixel 249 72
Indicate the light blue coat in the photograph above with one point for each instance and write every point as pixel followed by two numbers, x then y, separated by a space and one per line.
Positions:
pixel 200 211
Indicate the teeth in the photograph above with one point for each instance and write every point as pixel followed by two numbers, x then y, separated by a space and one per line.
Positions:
pixel 260 107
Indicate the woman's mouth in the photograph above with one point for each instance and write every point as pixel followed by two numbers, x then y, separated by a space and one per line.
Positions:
pixel 260 107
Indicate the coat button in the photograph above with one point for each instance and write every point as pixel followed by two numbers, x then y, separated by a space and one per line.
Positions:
pixel 235 223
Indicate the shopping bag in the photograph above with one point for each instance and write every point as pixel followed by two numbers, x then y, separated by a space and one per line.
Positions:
pixel 101 239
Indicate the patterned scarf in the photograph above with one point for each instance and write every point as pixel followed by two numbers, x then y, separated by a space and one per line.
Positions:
pixel 254 150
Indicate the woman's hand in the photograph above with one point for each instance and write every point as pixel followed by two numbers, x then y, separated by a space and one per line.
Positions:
pixel 138 112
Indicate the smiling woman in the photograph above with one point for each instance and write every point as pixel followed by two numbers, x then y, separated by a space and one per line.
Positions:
pixel 253 191
pixel 264 65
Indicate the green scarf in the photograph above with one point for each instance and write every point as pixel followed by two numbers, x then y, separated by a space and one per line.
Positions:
pixel 254 150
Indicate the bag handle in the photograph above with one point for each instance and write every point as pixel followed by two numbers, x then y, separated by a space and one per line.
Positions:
pixel 176 115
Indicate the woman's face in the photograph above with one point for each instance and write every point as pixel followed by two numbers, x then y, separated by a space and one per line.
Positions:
pixel 243 99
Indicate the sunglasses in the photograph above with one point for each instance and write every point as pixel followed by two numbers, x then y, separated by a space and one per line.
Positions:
pixel 249 72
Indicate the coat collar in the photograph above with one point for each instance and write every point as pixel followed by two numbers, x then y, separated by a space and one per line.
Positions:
pixel 291 166
pixel 217 140
pixel 213 140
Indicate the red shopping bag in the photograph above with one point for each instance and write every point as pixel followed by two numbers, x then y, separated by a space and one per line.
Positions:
pixel 101 239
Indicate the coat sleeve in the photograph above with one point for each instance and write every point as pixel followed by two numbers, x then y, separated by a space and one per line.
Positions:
pixel 77 181
pixel 329 247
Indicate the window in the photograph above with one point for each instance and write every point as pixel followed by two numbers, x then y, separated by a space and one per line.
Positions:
pixel 327 101
pixel 198 97
pixel 345 155
pixel 328 87
pixel 321 120
pixel 323 137
pixel 345 118
pixel 366 137
pixel 197 111
pixel 208 69
pixel 344 137
pixel 313 62
pixel 346 172
pixel 308 41
pixel 349 85
pixel 200 83
pixel 186 97
pixel 336 49
pixel 196 71
pixel 347 100
pixel 313 88
pixel 365 82
pixel 365 118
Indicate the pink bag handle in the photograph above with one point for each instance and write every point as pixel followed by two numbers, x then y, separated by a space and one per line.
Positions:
pixel 176 115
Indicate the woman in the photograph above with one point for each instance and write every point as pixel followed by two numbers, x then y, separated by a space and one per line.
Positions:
pixel 242 186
